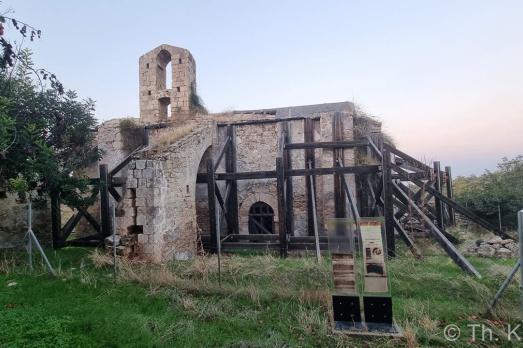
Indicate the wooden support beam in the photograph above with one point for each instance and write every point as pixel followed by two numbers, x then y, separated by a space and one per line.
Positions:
pixel 310 162
pixel 352 203
pixel 268 237
pixel 405 165
pixel 222 152
pixel 114 193
pixel 71 224
pixel 450 195
pixel 363 169
pixel 280 188
pixel 388 203
pixel 211 196
pixel 326 144
pixel 263 174
pixel 374 148
pixel 406 238
pixel 409 175
pixel 339 194
pixel 438 206
pixel 271 174
pixel 221 202
pixel 421 203
pixel 230 246
pixel 231 194
pixel 403 204
pixel 260 226
pixel 457 207
pixel 289 192
pixel 454 254
pixel 372 195
pixel 418 196
pixel 406 158
pixel 264 121
pixel 105 213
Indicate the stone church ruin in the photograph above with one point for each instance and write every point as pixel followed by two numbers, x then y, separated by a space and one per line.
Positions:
pixel 181 179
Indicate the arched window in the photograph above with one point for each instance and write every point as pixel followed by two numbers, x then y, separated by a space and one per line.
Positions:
pixel 261 219
pixel 163 62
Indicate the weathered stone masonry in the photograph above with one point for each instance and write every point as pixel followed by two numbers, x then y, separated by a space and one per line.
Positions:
pixel 163 209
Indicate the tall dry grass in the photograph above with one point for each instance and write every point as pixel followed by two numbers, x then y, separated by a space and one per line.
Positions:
pixel 174 133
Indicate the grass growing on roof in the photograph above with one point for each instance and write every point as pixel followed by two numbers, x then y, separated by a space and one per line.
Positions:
pixel 264 301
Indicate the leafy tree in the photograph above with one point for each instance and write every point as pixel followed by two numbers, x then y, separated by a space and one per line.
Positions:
pixel 46 133
pixel 494 192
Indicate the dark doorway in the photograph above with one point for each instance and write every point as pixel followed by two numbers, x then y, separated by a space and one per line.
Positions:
pixel 261 219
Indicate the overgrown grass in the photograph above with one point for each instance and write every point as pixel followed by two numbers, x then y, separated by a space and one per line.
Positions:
pixel 263 301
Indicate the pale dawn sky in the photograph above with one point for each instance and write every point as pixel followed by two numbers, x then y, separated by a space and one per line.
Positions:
pixel 445 77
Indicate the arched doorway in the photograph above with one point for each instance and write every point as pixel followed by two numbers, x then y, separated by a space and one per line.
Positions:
pixel 261 219
pixel 201 196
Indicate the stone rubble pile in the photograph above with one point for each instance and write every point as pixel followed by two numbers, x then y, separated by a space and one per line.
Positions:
pixel 125 245
pixel 494 247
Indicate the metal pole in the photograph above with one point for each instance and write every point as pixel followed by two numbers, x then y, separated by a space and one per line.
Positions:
pixel 517 266
pixel 29 241
pixel 314 217
pixel 520 232
pixel 39 247
pixel 33 239
pixel 503 286
pixel 113 215
pixel 219 245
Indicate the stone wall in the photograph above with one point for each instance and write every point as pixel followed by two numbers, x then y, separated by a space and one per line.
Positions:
pixel 161 198
pixel 257 149
pixel 155 95
pixel 13 223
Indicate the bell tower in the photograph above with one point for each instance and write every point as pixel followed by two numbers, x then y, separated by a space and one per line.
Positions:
pixel 160 102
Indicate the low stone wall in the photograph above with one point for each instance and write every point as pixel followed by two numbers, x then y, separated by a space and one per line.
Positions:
pixel 494 247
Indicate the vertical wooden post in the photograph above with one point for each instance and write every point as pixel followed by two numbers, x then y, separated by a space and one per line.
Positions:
pixel 211 197
pixel 56 220
pixel 230 167
pixel 339 193
pixel 388 208
pixel 437 202
pixel 450 195
pixel 105 211
pixel 280 187
pixel 287 164
pixel 308 137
